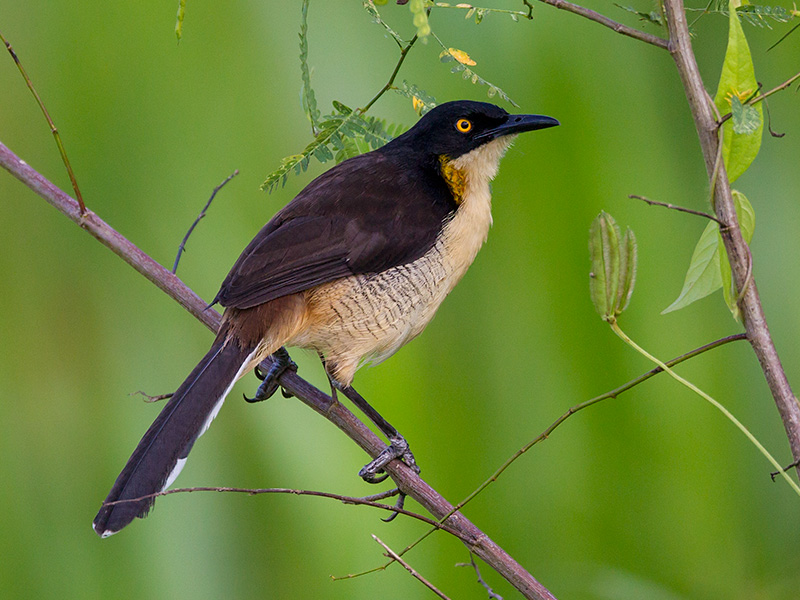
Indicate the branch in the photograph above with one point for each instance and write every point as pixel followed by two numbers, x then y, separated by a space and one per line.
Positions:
pixel 765 95
pixel 753 318
pixel 673 207
pixel 393 555
pixel 351 500
pixel 610 23
pixel 408 481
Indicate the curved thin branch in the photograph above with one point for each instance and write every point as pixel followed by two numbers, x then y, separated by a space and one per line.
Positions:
pixel 610 23
pixel 351 500
pixel 202 214
pixel 407 480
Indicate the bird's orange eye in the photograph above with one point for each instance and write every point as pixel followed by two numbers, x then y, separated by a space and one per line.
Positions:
pixel 463 125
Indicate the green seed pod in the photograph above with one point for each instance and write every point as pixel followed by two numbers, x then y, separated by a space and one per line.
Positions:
pixel 613 266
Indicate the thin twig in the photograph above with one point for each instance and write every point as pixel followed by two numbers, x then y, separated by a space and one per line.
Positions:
pixel 610 23
pixel 492 594
pixel 405 478
pixel 202 214
pixel 772 132
pixel 784 36
pixel 149 398
pixel 547 432
pixel 763 96
pixel 351 500
pixel 392 554
pixel 53 128
pixel 774 474
pixel 674 207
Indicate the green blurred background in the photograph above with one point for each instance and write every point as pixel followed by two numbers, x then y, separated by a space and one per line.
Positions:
pixel 652 495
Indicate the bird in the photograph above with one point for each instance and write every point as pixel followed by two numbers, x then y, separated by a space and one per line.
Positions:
pixel 353 268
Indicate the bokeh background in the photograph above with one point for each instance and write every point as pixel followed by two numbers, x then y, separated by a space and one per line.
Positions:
pixel 652 495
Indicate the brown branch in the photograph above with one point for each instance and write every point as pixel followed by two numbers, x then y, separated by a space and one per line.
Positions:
pixel 492 594
pixel 393 555
pixel 610 23
pixel 764 96
pixel 673 207
pixel 753 318
pixel 408 481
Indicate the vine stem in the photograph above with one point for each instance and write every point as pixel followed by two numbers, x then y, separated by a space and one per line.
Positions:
pixel 624 337
pixel 752 312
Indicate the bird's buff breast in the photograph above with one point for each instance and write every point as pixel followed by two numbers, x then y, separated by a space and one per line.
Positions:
pixel 368 317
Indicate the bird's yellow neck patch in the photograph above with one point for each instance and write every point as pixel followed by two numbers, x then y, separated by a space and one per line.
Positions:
pixel 456 179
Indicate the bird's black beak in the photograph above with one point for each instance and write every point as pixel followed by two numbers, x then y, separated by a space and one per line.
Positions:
pixel 518 124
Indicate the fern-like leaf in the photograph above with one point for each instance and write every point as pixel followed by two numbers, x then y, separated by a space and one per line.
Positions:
pixel 309 99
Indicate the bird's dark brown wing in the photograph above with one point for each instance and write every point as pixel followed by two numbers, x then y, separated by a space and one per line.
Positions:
pixel 365 215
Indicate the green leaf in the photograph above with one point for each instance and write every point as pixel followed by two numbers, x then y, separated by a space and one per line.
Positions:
pixel 308 98
pixel 745 118
pixel 747 223
pixel 627 271
pixel 422 101
pixel 703 277
pixel 738 79
pixel 709 269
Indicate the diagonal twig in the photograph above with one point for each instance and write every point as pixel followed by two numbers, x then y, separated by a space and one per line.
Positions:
pixel 764 96
pixel 610 23
pixel 674 207
pixel 492 594
pixel 392 554
pixel 53 128
pixel 351 500
pixel 202 214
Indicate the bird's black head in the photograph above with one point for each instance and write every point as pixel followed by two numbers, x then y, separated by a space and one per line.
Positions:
pixel 455 128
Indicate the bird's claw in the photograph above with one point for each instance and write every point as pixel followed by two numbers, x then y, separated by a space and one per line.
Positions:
pixel 269 380
pixel 373 472
pixel 399 504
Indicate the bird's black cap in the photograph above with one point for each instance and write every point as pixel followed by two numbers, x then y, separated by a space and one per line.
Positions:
pixel 455 128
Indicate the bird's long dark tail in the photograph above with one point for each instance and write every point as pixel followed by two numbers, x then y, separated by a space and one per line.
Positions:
pixel 161 454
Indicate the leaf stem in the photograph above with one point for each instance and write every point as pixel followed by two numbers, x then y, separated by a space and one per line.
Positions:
pixel 624 337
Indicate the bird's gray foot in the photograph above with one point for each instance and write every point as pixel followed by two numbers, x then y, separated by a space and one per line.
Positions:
pixel 373 472
pixel 399 504
pixel 269 384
